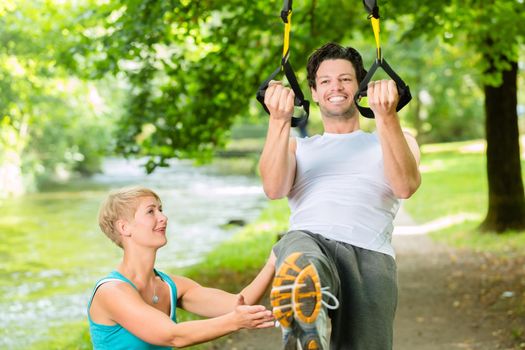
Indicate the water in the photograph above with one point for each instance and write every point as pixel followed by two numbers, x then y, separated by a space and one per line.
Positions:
pixel 52 252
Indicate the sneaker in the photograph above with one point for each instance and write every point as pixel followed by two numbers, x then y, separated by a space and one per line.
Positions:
pixel 296 298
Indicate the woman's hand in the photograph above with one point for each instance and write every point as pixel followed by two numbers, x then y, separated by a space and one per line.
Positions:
pixel 252 316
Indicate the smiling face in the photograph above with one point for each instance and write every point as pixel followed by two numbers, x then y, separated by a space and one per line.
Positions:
pixel 148 226
pixel 335 87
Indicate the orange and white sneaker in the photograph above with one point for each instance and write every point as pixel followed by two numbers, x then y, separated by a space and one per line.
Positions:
pixel 296 298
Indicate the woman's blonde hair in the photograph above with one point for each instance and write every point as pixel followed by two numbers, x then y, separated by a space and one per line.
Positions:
pixel 121 204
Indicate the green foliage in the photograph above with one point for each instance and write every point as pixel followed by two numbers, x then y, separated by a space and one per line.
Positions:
pixel 493 30
pixel 52 122
pixel 446 98
pixel 193 67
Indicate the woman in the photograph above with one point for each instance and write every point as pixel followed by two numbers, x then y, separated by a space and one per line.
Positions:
pixel 134 307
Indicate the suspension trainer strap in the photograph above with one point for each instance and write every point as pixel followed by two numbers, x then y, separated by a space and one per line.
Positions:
pixel 402 89
pixel 286 16
pixel 373 16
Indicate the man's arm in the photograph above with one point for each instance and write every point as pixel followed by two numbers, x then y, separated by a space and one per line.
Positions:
pixel 277 163
pixel 400 150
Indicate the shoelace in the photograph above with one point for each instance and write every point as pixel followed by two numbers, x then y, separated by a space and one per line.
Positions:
pixel 324 291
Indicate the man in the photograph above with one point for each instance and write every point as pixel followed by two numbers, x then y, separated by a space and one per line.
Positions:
pixel 343 189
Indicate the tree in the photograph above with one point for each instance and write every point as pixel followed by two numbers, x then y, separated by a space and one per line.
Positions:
pixel 494 31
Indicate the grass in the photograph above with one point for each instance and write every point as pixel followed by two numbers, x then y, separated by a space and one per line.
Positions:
pixel 76 337
pixel 245 165
pixel 455 184
pixel 52 252
pixel 467 236
pixel 452 183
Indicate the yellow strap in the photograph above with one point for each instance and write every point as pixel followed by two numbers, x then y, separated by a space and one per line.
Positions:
pixel 375 28
pixel 287 30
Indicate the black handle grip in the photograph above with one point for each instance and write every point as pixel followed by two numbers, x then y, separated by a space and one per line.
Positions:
pixel 299 99
pixel 402 89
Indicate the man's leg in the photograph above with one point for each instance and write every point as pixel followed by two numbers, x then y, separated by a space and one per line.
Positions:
pixel 364 320
pixel 304 273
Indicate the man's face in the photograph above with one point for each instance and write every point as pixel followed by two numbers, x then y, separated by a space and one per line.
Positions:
pixel 336 85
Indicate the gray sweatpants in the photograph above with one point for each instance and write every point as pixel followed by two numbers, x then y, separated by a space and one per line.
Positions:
pixel 364 282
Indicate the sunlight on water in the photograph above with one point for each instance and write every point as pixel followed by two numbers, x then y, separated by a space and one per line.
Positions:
pixel 52 251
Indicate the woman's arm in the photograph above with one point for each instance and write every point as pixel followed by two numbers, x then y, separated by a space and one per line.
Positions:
pixel 196 298
pixel 124 306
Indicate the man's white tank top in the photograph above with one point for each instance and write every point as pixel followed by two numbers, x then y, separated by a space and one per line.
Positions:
pixel 340 190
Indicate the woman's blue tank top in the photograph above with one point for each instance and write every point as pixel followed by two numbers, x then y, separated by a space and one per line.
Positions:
pixel 116 337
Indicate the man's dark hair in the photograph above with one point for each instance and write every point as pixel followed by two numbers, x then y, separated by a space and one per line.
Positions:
pixel 333 51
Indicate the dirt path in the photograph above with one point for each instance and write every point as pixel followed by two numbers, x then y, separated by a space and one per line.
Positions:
pixel 448 299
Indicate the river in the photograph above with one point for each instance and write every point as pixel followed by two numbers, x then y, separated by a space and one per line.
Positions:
pixel 52 251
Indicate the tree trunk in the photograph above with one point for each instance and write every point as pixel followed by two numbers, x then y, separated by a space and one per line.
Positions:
pixel 506 196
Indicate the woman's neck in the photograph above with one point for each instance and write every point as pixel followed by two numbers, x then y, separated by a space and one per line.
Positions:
pixel 138 267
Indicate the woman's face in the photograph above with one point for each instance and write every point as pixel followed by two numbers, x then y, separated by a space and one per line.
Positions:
pixel 149 223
